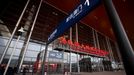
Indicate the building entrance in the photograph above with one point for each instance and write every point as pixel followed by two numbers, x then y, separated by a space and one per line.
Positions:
pixel 54 68
pixel 85 65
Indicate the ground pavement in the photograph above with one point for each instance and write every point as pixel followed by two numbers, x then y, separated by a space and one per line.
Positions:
pixel 93 73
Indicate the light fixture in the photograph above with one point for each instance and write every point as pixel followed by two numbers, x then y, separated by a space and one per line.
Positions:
pixel 21 30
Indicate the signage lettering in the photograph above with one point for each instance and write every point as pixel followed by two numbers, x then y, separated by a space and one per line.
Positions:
pixel 82 48
pixel 86 2
pixel 52 35
pixel 79 12
pixel 75 13
pixel 57 55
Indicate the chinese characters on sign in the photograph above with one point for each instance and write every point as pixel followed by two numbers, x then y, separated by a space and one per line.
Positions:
pixel 79 12
pixel 82 48
pixel 56 55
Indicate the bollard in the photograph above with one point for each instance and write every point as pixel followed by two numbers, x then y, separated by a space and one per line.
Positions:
pixel 65 73
pixel 45 73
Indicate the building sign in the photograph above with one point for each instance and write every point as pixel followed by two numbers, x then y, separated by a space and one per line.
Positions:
pixel 55 55
pixel 77 47
pixel 80 11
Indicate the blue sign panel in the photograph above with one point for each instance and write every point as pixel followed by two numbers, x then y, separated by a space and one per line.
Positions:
pixel 55 55
pixel 81 10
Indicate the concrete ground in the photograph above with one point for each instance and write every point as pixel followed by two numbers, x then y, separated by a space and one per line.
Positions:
pixel 105 73
pixel 83 73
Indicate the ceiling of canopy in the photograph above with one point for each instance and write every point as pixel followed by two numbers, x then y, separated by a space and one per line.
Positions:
pixel 98 18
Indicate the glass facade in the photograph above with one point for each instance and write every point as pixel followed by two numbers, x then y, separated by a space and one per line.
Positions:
pixel 60 58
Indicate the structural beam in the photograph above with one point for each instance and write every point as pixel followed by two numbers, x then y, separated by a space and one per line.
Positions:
pixel 125 47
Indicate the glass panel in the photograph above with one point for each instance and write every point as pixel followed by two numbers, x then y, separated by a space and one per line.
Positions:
pixel 31 54
pixel 34 46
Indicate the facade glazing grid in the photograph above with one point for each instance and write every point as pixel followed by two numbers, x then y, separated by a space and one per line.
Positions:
pixel 47 20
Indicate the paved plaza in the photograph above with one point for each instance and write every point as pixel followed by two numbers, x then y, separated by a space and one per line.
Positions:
pixel 105 73
pixel 92 73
